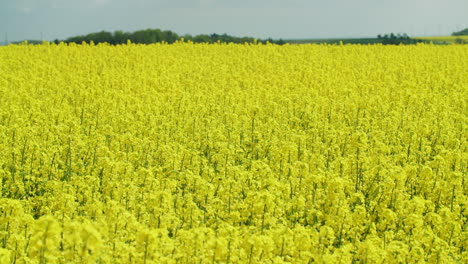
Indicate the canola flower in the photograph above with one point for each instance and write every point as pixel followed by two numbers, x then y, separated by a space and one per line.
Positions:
pixel 224 153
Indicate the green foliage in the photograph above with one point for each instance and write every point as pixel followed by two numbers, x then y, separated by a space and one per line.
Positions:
pixel 387 39
pixel 149 36
pixel 460 41
pixel 463 32
pixel 392 39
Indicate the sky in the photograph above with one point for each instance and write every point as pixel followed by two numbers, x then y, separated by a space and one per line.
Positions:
pixel 287 19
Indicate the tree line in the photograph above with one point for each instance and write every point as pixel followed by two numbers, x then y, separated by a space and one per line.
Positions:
pixel 149 36
pixel 463 32
pixel 397 39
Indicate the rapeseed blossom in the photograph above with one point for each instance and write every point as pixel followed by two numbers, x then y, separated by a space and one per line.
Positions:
pixel 227 153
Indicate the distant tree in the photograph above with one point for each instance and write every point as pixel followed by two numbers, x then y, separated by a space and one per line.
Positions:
pixel 463 32
pixel 270 40
pixel 148 36
pixel 100 37
pixel 397 39
pixel 169 36
pixel 202 39
pixel 187 37
pixel 280 42
pixel 141 36
pixel 75 39
pixel 246 40
pixel 120 37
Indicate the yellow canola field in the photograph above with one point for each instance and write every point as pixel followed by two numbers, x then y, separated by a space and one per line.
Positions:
pixel 197 153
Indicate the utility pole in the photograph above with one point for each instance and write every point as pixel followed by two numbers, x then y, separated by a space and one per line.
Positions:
pixel 6 38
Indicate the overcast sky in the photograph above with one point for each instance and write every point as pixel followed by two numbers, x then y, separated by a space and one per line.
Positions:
pixel 51 19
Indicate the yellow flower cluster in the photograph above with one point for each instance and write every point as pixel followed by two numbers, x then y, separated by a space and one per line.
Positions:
pixel 225 153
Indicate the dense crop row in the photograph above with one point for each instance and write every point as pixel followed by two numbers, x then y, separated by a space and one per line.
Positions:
pixel 201 153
